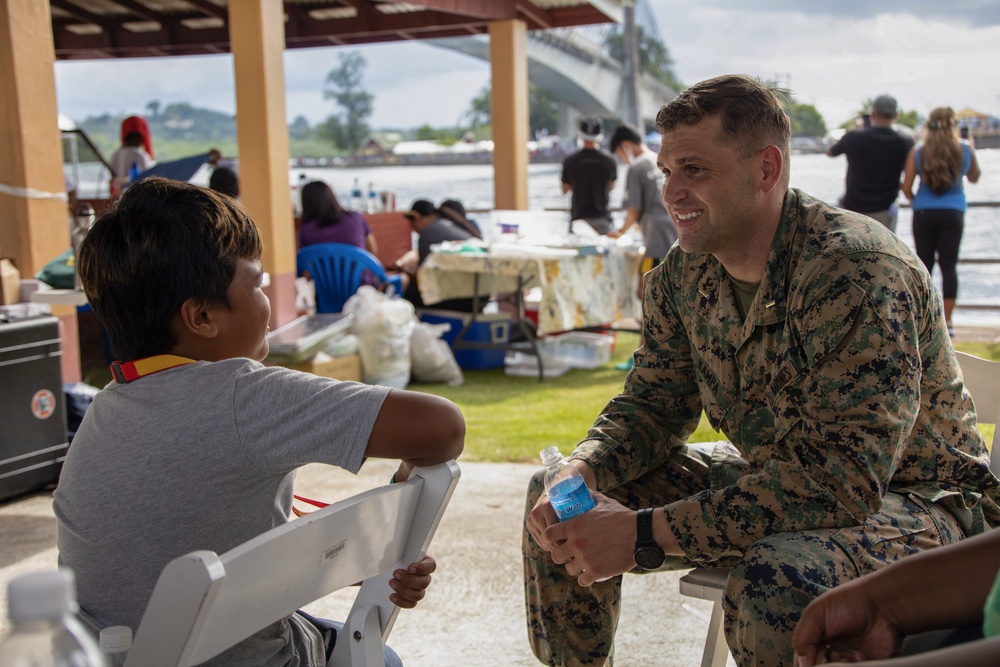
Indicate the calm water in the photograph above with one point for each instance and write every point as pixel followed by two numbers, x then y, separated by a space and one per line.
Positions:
pixel 819 175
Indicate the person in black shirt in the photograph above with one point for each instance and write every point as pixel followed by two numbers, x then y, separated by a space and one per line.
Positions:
pixel 590 173
pixel 875 159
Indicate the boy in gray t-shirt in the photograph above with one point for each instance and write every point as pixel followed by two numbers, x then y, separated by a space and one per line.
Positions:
pixel 195 444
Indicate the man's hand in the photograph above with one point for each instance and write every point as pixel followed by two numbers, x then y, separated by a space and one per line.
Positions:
pixel 411 584
pixel 594 546
pixel 843 625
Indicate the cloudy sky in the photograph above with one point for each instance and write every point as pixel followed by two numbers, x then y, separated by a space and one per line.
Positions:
pixel 832 53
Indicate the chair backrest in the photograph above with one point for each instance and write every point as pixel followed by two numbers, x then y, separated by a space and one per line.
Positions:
pixel 982 379
pixel 204 603
pixel 337 270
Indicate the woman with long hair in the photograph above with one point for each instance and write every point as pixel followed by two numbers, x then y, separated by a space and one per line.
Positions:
pixel 324 220
pixel 943 161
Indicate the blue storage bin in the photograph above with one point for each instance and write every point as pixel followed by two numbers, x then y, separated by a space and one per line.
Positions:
pixel 488 328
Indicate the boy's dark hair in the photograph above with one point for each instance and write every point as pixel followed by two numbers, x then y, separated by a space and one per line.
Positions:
pixel 622 134
pixel 751 112
pixel 224 180
pixel 163 243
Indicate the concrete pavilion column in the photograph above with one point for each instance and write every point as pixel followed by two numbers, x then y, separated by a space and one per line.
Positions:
pixel 509 112
pixel 257 34
pixel 34 225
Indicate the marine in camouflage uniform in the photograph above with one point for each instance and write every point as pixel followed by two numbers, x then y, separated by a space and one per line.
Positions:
pixel 853 443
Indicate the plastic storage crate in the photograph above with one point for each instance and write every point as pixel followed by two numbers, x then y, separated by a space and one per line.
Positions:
pixel 579 349
pixel 488 328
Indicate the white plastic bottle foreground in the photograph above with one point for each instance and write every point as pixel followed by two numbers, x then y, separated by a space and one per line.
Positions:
pixel 564 485
pixel 115 642
pixel 45 631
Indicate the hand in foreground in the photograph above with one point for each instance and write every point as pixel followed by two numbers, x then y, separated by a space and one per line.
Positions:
pixel 596 545
pixel 410 585
pixel 844 625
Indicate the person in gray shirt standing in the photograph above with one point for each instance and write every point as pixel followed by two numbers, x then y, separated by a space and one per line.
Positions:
pixel 876 155
pixel 643 201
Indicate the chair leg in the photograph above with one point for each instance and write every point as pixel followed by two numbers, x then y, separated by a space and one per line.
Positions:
pixel 716 650
pixel 360 642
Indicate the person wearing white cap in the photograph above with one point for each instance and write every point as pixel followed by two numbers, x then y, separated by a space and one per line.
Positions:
pixel 589 174
pixel 875 159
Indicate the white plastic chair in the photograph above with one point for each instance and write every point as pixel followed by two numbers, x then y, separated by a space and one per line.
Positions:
pixel 204 603
pixel 982 380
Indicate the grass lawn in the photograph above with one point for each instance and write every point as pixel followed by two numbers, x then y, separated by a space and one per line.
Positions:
pixel 511 419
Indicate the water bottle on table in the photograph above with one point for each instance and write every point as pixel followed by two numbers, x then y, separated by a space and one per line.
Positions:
pixel 564 485
pixel 46 632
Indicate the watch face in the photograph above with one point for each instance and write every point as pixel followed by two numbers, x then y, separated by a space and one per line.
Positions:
pixel 648 557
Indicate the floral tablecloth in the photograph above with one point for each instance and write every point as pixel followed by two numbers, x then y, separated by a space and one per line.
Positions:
pixel 577 290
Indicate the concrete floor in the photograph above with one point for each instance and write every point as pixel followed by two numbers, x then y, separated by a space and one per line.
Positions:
pixel 474 613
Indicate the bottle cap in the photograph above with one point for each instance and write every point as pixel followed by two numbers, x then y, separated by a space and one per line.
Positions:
pixel 42 595
pixel 550 455
pixel 116 637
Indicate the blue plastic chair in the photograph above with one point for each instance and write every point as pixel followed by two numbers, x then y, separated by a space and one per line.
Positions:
pixel 337 270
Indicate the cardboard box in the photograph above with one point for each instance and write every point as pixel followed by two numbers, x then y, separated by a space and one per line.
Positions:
pixel 347 367
pixel 10 283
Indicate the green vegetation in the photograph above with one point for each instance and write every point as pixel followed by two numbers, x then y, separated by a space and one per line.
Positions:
pixel 347 128
pixel 654 58
pixel 806 120
pixel 543 110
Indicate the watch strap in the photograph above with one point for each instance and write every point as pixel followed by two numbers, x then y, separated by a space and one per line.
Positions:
pixel 644 526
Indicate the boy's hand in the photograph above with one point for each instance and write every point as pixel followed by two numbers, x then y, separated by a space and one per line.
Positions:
pixel 410 584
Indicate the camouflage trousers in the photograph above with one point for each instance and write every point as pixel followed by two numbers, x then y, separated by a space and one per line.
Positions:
pixel 769 586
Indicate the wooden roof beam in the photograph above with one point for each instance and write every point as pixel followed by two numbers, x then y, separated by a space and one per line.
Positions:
pixel 536 17
pixel 143 12
pixel 210 9
pixel 490 10
pixel 79 13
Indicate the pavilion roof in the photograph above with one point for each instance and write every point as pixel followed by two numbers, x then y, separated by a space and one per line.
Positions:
pixel 90 29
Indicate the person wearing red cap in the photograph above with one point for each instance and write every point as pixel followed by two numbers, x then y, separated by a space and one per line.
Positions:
pixel 135 155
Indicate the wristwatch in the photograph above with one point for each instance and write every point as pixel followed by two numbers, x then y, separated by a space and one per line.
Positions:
pixel 648 555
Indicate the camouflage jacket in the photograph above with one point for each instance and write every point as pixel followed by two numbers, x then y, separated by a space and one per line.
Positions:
pixel 840 385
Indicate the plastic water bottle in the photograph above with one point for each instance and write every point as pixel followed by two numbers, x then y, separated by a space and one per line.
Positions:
pixel 566 488
pixel 45 631
pixel 372 198
pixel 115 642
pixel 357 199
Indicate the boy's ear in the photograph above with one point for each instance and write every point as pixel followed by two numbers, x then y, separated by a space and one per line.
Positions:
pixel 196 318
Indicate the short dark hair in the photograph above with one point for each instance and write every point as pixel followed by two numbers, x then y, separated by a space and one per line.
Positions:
pixel 224 180
pixel 751 111
pixel 162 243
pixel 622 134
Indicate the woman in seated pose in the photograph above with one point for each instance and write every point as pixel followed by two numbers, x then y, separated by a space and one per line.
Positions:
pixel 324 220
pixel 433 226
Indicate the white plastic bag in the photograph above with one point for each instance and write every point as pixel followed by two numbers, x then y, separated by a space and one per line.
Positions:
pixel 431 356
pixel 383 326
